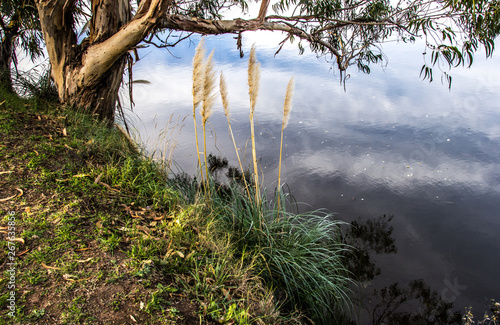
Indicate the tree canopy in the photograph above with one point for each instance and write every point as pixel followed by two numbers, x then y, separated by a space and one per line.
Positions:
pixel 348 31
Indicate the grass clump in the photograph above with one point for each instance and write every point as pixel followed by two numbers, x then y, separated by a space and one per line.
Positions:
pixel 300 256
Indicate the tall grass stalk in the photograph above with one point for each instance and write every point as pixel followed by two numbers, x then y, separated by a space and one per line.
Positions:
pixel 253 90
pixel 287 107
pixel 227 112
pixel 198 81
pixel 208 103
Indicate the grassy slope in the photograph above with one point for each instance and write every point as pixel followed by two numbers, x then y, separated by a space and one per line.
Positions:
pixel 103 239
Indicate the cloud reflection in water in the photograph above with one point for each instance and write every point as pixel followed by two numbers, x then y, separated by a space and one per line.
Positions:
pixel 391 144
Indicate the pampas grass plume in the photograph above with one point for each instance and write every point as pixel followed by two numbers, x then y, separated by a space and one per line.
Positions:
pixel 208 88
pixel 223 94
pixel 198 73
pixel 287 107
pixel 253 78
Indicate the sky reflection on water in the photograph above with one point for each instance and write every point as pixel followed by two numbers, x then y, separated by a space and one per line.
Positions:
pixel 390 144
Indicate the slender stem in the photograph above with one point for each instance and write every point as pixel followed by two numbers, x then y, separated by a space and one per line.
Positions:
pixel 255 165
pixel 279 166
pixel 238 156
pixel 205 153
pixel 197 145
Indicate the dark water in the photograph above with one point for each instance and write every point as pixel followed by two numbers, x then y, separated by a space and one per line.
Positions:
pixel 389 145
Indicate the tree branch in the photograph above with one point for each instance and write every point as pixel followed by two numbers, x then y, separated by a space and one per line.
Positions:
pixel 215 27
pixel 100 57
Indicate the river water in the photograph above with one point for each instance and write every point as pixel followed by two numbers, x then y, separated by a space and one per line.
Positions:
pixel 388 144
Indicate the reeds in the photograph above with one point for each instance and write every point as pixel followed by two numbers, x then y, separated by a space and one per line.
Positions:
pixel 198 79
pixel 287 107
pixel 206 109
pixel 300 255
pixel 203 96
pixel 227 112
pixel 253 91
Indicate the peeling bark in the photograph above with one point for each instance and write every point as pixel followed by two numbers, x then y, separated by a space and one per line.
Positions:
pixel 89 75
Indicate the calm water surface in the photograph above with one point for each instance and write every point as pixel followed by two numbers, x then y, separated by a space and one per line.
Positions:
pixel 389 144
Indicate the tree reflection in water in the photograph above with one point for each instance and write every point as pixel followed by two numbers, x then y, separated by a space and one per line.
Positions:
pixel 415 303
pixel 411 304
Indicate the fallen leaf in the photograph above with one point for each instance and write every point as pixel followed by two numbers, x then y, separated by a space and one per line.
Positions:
pixel 68 277
pixel 22 253
pixel 7 198
pixel 13 196
pixel 145 229
pixel 84 261
pixel 132 317
pixel 50 267
pixel 98 178
pixel 19 240
pixel 190 255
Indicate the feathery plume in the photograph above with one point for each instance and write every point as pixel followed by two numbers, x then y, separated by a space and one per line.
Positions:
pixel 198 73
pixel 253 90
pixel 287 107
pixel 208 103
pixel 253 78
pixel 223 95
pixel 208 88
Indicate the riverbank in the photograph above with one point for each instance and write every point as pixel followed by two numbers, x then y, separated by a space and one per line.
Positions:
pixel 100 239
pixel 93 232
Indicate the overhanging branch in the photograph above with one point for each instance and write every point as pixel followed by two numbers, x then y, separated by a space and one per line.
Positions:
pixel 216 27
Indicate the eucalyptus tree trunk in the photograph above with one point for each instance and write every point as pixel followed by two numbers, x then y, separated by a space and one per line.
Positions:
pixel 88 75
